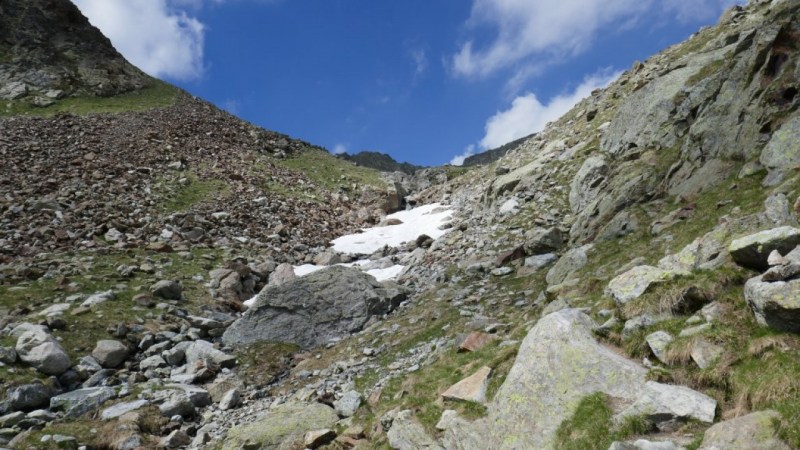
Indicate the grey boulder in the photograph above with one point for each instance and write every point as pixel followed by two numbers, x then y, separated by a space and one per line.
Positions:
pixel 755 430
pixel 42 351
pixel 753 251
pixel 315 309
pixel 167 289
pixel 775 304
pixel 667 405
pixel 81 401
pixel 110 353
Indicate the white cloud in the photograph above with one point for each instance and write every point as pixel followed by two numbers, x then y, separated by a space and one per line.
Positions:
pixel 528 27
pixel 532 33
pixel 459 159
pixel 155 35
pixel 528 115
pixel 339 149
pixel 420 61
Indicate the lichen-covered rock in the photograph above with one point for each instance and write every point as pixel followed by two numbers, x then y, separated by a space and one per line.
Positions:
pixel 635 282
pixel 668 406
pixel 558 363
pixel 588 182
pixel 408 434
pixel 568 264
pixel 658 343
pixel 470 389
pixel 282 427
pixel 754 431
pixel 753 251
pixel 315 309
pixel 775 304
pixel 79 402
pixel 780 154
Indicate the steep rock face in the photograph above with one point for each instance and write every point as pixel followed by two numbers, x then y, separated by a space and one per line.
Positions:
pixel 49 45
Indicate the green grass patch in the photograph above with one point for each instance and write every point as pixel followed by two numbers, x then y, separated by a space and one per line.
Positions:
pixel 263 362
pixel 592 427
pixel 177 196
pixel 331 173
pixel 157 95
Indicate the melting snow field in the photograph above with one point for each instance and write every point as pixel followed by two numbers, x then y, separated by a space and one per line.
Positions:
pixel 423 220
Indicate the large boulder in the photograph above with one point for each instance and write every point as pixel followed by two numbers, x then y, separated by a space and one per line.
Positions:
pixel 282 428
pixel 558 364
pixel 780 154
pixel 755 430
pixel 670 406
pixel 775 304
pixel 79 402
pixel 27 397
pixel 753 251
pixel 315 309
pixel 587 182
pixel 571 262
pixel 408 434
pixel 110 353
pixel 42 351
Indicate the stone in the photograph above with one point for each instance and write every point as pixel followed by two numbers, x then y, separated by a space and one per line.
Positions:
pixel 348 404
pixel 65 442
pixel 152 363
pixel 668 406
pixel 705 354
pixel 408 434
pixel 589 180
pixel 639 323
pixel 502 271
pixel 778 211
pixel 780 154
pixel 470 389
pixel 167 289
pixel 27 397
pixel 658 343
pixel 568 264
pixel 558 363
pixel 119 409
pixel 177 438
pixel 313 310
pixel 14 90
pixel 282 275
pixel 635 282
pixel 98 298
pixel 644 444
pixel 201 350
pixel 42 351
pixel 753 431
pixel 230 400
pixel 448 418
pixel 753 251
pixel 318 438
pixel 476 341
pixel 110 353
pixel 775 304
pixel 8 355
pixel 178 404
pixel 510 206
pixel 327 258
pixel 540 261
pixel 174 356
pixel 509 256
pixel 82 401
pixel 282 427
pixel 543 240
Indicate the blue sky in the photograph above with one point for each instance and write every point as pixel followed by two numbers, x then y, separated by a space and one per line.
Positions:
pixel 422 80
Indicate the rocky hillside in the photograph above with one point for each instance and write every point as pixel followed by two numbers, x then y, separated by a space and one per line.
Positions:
pixel 625 279
pixel 380 161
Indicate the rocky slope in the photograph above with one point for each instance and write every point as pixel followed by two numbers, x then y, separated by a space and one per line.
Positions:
pixel 625 279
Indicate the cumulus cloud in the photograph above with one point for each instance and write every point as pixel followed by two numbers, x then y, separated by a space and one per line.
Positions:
pixel 531 32
pixel 459 159
pixel 155 35
pixel 528 115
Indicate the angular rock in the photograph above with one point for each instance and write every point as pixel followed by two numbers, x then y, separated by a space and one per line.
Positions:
pixel 79 402
pixel 177 438
pixel 27 397
pixel 230 400
pixel 315 309
pixel 348 404
pixel 540 261
pixel 470 389
pixel 8 355
pixel 587 182
pixel 558 364
pixel 98 298
pixel 178 404
pixel 151 363
pixel 201 350
pixel 119 409
pixel 543 240
pixel 753 251
pixel 408 434
pixel 476 341
pixel 643 444
pixel 775 304
pixel 754 431
pixel 658 343
pixel 282 427
pixel 42 351
pixel 667 405
pixel 318 438
pixel 569 263
pixel 167 289
pixel 110 353
pixel 635 282
pixel 282 274
pixel 705 354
